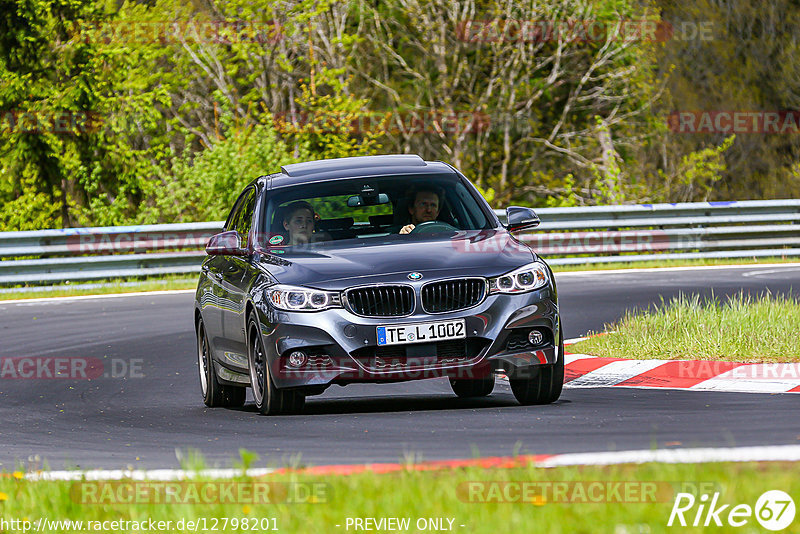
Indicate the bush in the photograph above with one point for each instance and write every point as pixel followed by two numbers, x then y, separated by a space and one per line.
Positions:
pixel 204 186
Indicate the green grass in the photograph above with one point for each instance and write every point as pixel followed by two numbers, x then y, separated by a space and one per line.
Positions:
pixel 106 287
pixel 739 329
pixel 669 263
pixel 438 494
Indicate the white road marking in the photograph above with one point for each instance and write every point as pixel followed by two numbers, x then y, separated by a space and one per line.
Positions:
pixel 615 372
pixel 673 269
pixel 779 267
pixel 58 300
pixel 569 358
pixel 141 474
pixel 756 378
pixel 770 271
pixel 777 453
pixel 574 340
pixel 741 385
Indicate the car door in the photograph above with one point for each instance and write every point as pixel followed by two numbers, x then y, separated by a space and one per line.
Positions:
pixel 234 283
pixel 212 296
pixel 210 291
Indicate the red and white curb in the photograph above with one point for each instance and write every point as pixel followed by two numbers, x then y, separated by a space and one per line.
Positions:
pixel 584 371
pixel 778 453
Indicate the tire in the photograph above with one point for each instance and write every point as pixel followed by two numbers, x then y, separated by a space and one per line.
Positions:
pixel 215 395
pixel 470 388
pixel 269 399
pixel 543 388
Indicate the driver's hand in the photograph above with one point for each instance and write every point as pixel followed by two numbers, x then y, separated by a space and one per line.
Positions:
pixel 407 229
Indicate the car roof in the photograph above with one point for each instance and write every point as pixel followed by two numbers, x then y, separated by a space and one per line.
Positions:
pixel 356 167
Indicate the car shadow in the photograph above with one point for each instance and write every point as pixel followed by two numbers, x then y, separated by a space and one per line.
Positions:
pixel 405 403
pixel 409 403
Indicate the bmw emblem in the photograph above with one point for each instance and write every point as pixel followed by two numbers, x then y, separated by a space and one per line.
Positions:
pixel 415 276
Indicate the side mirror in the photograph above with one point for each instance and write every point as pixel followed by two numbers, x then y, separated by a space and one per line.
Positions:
pixel 520 218
pixel 225 244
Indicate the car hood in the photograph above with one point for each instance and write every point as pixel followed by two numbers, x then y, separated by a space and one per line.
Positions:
pixel 340 264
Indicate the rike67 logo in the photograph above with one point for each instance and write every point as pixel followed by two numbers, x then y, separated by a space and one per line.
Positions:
pixel 774 510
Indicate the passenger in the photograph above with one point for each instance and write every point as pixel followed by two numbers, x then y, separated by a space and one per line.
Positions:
pixel 298 222
pixel 424 205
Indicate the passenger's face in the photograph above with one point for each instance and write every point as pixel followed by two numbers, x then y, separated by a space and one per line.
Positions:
pixel 300 225
pixel 425 207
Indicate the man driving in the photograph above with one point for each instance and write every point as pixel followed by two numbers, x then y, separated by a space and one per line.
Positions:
pixel 424 207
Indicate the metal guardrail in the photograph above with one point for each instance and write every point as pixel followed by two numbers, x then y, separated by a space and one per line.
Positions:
pixel 647 232
pixel 595 234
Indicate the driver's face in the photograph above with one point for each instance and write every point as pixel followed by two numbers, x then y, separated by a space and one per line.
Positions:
pixel 425 207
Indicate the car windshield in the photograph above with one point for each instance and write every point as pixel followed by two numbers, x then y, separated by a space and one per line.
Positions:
pixel 364 208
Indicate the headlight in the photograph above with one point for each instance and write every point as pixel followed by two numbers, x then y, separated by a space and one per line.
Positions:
pixel 527 278
pixel 292 298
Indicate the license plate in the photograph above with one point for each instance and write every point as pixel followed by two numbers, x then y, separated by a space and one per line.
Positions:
pixel 421 332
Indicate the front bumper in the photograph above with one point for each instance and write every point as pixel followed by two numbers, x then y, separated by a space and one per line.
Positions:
pixel 342 348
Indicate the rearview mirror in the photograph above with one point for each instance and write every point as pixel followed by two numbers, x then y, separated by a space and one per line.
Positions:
pixel 225 244
pixel 520 218
pixel 358 200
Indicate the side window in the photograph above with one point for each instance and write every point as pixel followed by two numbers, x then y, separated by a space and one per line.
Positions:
pixel 245 219
pixel 233 217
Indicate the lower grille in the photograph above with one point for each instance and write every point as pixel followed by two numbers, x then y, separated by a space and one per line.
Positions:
pixel 381 301
pixel 419 355
pixel 452 295
pixel 319 362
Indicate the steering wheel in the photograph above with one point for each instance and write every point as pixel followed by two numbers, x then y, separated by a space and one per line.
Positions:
pixel 432 227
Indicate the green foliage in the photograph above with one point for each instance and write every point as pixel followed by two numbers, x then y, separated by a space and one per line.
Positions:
pixel 747 60
pixel 488 194
pixel 698 172
pixel 328 124
pixel 568 198
pixel 206 185
pixel 167 122
pixel 30 210
pixel 702 168
pixel 336 207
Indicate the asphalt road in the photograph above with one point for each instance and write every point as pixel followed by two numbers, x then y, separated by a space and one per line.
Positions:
pixel 153 408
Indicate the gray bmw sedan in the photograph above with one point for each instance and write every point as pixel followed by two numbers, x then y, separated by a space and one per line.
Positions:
pixel 373 269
